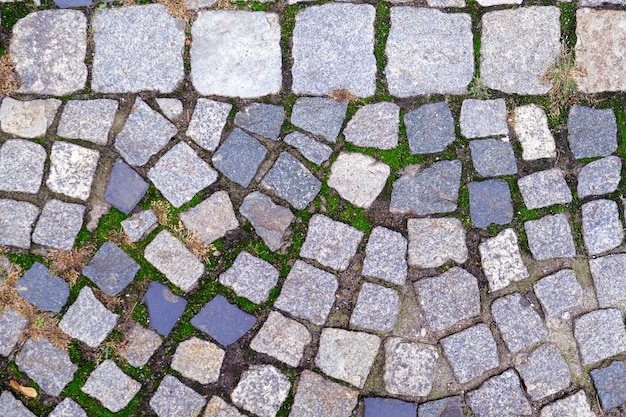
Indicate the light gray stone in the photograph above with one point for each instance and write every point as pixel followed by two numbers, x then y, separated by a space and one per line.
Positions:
pixel 211 219
pixel 172 108
pixel 482 118
pixel 500 396
pixel 48 48
pixel 385 256
pixel 12 324
pixel 180 174
pixel 501 260
pixel 27 119
pixel 282 338
pixel 429 52
pixel 59 224
pixel 311 149
pixel 599 177
pixel 559 292
pixel 270 221
pixel 591 132
pixel 347 355
pixel 409 367
pixel 199 4
pixel 72 168
pixel 261 390
pixel 601 226
pixel 609 280
pixel 292 181
pixel 517 47
pixel 445 3
pixel 471 352
pixel 137 48
pixel 488 3
pixel 544 189
pixel 574 405
pixel 112 387
pixel 10 406
pixel 374 126
pixel 262 119
pixel 433 242
pixel 217 407
pixel 250 277
pixel 242 59
pixel 376 308
pixel 550 237
pixel 89 120
pixel 493 157
pixel 317 396
pixel 175 399
pixel 358 178
pixel 140 344
pixel 139 225
pixel 239 157
pixel 600 335
pixel 198 360
pixel 68 408
pixel 16 222
pixel 544 372
pixel 531 129
pixel 88 320
pixel 174 260
pixel 333 49
pixel 207 122
pixel 430 128
pixel 21 166
pixel 520 325
pixel 319 116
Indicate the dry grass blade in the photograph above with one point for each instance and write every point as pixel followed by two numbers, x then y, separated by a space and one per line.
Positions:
pixel 193 242
pixel 177 8
pixel 562 75
pixel 119 238
pixel 225 5
pixel 342 95
pixel 9 82
pixel 162 211
pixel 69 263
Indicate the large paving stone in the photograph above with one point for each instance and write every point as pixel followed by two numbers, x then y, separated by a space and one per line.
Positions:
pixel 270 221
pixel 493 157
pixel 50 367
pixel 140 344
pixel 310 148
pixel 292 181
pixel 385 256
pixel 223 321
pixel 433 190
pixel 429 128
pixel 137 48
pixel 89 120
pixel 125 188
pixel 591 132
pixel 520 325
pixel 72 168
pixel 111 386
pixel 409 367
pixel 317 397
pixel 175 399
pixel 139 225
pixel 42 289
pixel 574 405
pixel 388 407
pixel 374 126
pixel 10 406
pixel 282 338
pixel 531 129
pixel 111 269
pixel 308 293
pixel 429 52
pixel 333 49
pixel 88 320
pixel 559 292
pixel 517 47
pixel 261 390
pixel 207 122
pixel 319 116
pixel 471 352
pixel 59 224
pixel 239 157
pixel 600 335
pixel 236 53
pixel 544 372
pixel 599 177
pixel 68 408
pixel 544 189
pixel 48 48
pixel 445 407
pixel 250 277
pixel 376 308
pixel 610 384
pixel 609 280
pixel 500 396
pixel 601 226
pixel 358 178
pixel 164 308
pixel 261 119
pixel 599 58
pixel 12 324
pixel 550 237
pixel 482 118
pixel 490 202
pixel 16 222
pixel 27 119
pixel 21 166
pixel 212 218
pixel 198 360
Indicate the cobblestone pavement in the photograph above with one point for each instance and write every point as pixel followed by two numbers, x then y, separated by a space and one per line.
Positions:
pixel 312 210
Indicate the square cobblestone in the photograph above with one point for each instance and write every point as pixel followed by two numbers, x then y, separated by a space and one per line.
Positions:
pixel 482 118
pixel 239 157
pixel 385 256
pixel 282 338
pixel 111 269
pixel 310 148
pixel 409 367
pixel 111 386
pixel 140 225
pixel 88 320
pixel 374 126
pixel 544 189
pixel 207 122
pixel 550 237
pixel 125 188
pixel 72 168
pixel 574 405
pixel 358 178
pixel 270 220
pixel 198 360
pixel 89 120
pixel 320 116
pixel 610 384
pixel 262 119
pixel 532 131
pixel 12 324
pixel 609 280
pixel 520 325
pixel 16 222
pixel 292 181
pixel 375 407
pixel 490 203
pixel 331 243
pixel 559 292
pixel 471 352
pixel 164 307
pixel 600 335
pixel 10 406
pixel 601 226
pixel 599 177
pixel 500 396
pixel 250 277
pixel 27 119
pixel 544 372
pixel 433 242
pixel 429 128
pixel 317 396
pixel 261 390
pixel 42 289
pixel 59 224
pixel 493 157
pixel 223 321
pixel 68 408
pixel 501 260
pixel 211 219
pixel 140 344
pixel 21 166
pixel 376 308
pixel 445 407
pixel 175 399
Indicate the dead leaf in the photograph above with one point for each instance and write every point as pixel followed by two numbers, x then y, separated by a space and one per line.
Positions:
pixel 26 391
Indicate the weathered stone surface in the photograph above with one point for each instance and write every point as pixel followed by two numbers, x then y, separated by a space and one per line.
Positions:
pixel 333 49
pixel 520 325
pixel 600 335
pixel 445 407
pixel 211 219
pixel 270 221
pixel 544 372
pixel 174 260
pixel 433 190
pixel 239 157
pixel 140 344
pixel 282 338
pixel 388 407
pixel 599 59
pixel 308 293
pixel 385 256
pixel 139 225
pixel 262 119
pixel 10 406
pixel 591 132
pixel 347 355
pixel 89 120
pixel 550 237
pixel 250 277
pixel 331 243
pixel 220 408
pixel 358 178
pixel 430 128
pixel 199 4
pixel 145 133
pixel 319 116
pixel 609 280
pixel 482 118
pixel 68 408
pixel 599 177
pixel 48 48
pixel 531 129
pixel 601 226
pixel 180 174
pixel 27 119
pixel 172 108
pixel 125 188
pixel 429 52
pixel 471 352
pixel 517 47
pixel 310 148
pixel 317 396
pixel 292 181
pixel 207 122
pixel 490 202
pixel 261 390
pixel 72 168
pixel 198 360
pixel 409 367
pixel 12 324
pixel 164 308
pixel 21 166
pixel 559 292
pixel 610 383
pixel 111 269
pixel 42 289
pixel 223 321
pixel 376 308
pixel 544 189
pixel 112 387
pixel 242 59
pixel 137 48
pixel 374 126
pixel 16 222
pixel 574 405
pixel 493 157
pixel 88 320
pixel 58 224
pixel 50 367
pixel 499 396
pixel 174 399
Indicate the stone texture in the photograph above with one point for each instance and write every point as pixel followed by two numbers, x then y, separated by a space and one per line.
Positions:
pixel 591 132
pixel 388 407
pixel 347 355
pixel 223 321
pixel 550 237
pixel 445 407
pixel 48 48
pixel 385 256
pixel 112 387
pixel 21 166
pixel 319 116
pixel 72 168
pixel 261 390
pixel 310 148
pixel 88 320
pixel 599 177
pixel 429 52
pixel 68 408
pixel 282 338
pixel 500 396
pixel 10 406
pixel 430 128
pixel 493 157
pixel 292 181
pixel 333 49
pixel 520 325
pixel 175 399
pixel 180 174
pixel 376 308
pixel 42 289
pixel 574 405
pixel 270 221
pixel 600 335
pixel 608 279
pixel 601 226
pixel 239 157
pixel 559 292
pixel 137 48
pixel 250 277
pixel 433 190
pixel 531 129
pixel 198 360
pixel 174 260
pixel 220 408
pixel 145 133
pixel 89 120
pixel 490 202
pixel 409 367
pixel 58 224
pixel 12 324
pixel 448 298
pixel 544 189
pixel 111 269
pixel 308 293
pixel 243 59
pixel 139 225
pixel 16 222
pixel 50 367
pixel 471 352
pixel 331 243
pixel 317 396
pixel 517 47
pixel 482 118
pixel 164 308
pixel 544 372
pixel 261 119
pixel 140 344
pixel 27 119
pixel 358 178
pixel 172 108
pixel 211 219
pixel 207 122
pixel 374 126
pixel 125 188
pixel 610 384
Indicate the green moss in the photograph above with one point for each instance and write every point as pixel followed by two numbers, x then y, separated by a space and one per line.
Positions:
pixel 253 5
pixel 568 25
pixel 25 261
pixel 382 25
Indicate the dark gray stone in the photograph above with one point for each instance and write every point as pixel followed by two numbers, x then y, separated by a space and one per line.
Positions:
pixel 250 277
pixel 317 396
pixel 319 116
pixel 482 118
pixel 292 181
pixel 68 408
pixel 208 121
pixel 331 243
pixel 16 222
pixel 175 399
pixel 389 407
pixel 42 289
pixel 430 128
pixel 58 224
pixel 385 256
pixel 544 188
pixel 376 308
pixel 10 406
pixel 111 386
pixel 164 308
pixel 433 190
pixel 544 372
pixel 89 120
pixel 262 119
pixel 310 148
pixel 270 221
pixel 500 396
pixel 550 237
pixel 609 279
pixel 610 383
pixel 490 202
pixel 591 132
pixel 520 325
pixel 561 291
pixel 111 269
pixel 445 407
pixel 223 321
pixel 599 177
pixel 140 344
pixel 21 166
pixel 12 324
pixel 601 226
pixel 493 157
pixel 125 188
pixel 88 320
pixel 471 352
pixel 239 157
pixel 600 335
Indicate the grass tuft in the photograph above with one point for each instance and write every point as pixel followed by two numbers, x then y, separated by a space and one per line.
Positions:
pixel 9 82
pixel 68 264
pixel 564 91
